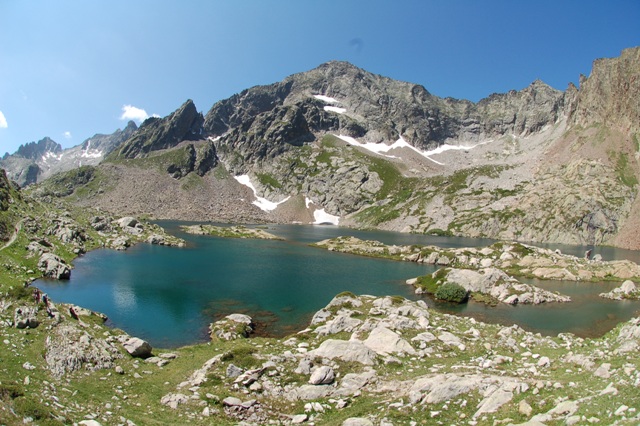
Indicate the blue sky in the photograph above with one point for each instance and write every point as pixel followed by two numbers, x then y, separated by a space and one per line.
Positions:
pixel 69 69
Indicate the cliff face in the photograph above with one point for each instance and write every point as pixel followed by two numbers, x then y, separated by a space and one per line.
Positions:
pixel 611 93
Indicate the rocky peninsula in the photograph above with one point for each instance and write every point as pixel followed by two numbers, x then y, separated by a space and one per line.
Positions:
pixel 237 231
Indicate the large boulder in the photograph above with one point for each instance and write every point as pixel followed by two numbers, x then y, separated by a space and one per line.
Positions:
pixel 384 342
pixel 351 350
pixel 322 376
pixel 127 222
pixel 628 290
pixel 54 267
pixel 137 347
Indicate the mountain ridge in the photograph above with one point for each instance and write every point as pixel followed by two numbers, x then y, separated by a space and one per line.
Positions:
pixel 365 150
pixel 34 162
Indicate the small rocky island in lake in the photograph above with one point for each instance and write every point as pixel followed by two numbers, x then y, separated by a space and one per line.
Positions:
pixel 237 231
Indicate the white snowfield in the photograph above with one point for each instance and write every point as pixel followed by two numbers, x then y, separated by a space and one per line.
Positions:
pixel 262 203
pixel 379 148
pixel 320 215
pixel 51 156
pixel 90 153
pixel 93 153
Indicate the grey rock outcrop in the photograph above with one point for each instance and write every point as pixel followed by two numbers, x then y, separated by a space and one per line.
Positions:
pixel 69 349
pixel 353 351
pixel 627 290
pixel 26 317
pixel 610 94
pixel 53 266
pixel 385 342
pixel 496 283
pixel 231 327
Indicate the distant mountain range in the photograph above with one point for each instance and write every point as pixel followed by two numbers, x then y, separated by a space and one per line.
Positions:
pixel 36 161
pixel 341 145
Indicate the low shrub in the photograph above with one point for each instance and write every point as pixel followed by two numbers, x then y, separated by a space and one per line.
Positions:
pixel 451 292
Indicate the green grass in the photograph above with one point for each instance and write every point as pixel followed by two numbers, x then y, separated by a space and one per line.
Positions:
pixel 626 174
pixel 268 180
pixel 430 283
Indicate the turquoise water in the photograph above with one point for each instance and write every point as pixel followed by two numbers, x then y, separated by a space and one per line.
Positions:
pixel 170 295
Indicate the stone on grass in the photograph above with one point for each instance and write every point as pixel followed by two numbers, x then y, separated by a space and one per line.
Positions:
pixel 172 400
pixel 384 341
pixel 231 401
pixel 322 376
pixel 357 421
pixel 345 351
pixel 298 418
pixel 524 408
pixel 137 347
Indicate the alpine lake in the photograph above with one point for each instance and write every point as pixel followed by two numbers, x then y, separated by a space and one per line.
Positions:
pixel 169 296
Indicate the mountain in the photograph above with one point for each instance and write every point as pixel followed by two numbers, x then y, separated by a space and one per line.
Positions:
pixel 159 133
pixel 341 145
pixel 34 162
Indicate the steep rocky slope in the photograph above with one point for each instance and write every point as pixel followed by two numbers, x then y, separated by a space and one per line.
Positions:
pixel 339 144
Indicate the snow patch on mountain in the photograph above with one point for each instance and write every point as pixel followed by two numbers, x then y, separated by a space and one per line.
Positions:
pixel 327 99
pixel 380 148
pixel 51 156
pixel 321 216
pixel 330 100
pixel 262 203
pixel 335 109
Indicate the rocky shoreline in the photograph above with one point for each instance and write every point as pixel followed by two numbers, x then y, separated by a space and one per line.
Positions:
pixel 362 360
pixel 383 361
pixel 487 274
pixel 516 259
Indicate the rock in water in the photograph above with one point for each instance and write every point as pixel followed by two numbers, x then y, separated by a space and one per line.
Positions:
pixel 137 347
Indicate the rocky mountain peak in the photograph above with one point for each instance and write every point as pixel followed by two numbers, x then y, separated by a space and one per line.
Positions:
pixel 156 133
pixel 35 150
pixel 102 145
pixel 611 93
pixel 130 127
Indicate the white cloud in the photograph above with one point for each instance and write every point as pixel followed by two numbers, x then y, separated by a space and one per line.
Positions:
pixel 129 112
pixel 67 134
pixel 3 121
